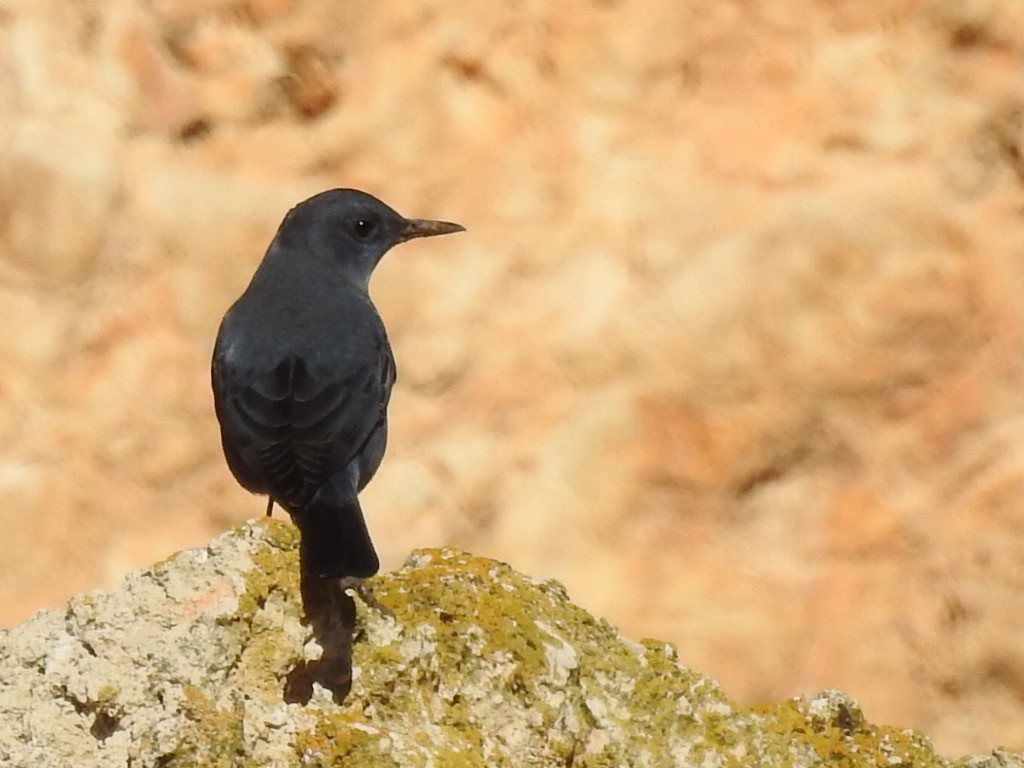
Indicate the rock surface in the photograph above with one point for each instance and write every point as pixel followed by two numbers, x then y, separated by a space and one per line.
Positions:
pixel 186 664
pixel 732 347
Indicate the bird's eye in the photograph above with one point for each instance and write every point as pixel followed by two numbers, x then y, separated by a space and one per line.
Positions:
pixel 365 228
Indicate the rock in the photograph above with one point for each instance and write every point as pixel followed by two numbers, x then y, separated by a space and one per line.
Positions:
pixel 188 663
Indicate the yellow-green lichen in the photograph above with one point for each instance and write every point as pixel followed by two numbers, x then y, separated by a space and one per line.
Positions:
pixel 481 666
pixel 106 695
pixel 257 654
pixel 834 733
pixel 213 737
pixel 342 739
pixel 471 632
pixel 275 568
pixel 271 594
pixel 485 640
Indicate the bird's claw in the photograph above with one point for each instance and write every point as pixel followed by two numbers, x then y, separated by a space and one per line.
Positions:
pixel 363 591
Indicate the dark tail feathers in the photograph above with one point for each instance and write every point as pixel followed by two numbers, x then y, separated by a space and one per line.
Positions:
pixel 335 542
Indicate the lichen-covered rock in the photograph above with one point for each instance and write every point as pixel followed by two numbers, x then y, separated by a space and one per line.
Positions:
pixel 188 664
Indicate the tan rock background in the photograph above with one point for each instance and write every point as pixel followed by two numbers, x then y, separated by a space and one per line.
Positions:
pixel 732 347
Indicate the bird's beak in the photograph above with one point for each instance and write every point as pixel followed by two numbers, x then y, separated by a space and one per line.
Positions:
pixel 427 228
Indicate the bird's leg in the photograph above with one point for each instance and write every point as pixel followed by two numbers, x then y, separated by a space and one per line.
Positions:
pixel 270 506
pixel 362 589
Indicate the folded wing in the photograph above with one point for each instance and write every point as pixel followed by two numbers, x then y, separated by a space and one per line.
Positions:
pixel 289 427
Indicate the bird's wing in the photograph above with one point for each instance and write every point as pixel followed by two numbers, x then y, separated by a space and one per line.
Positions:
pixel 293 425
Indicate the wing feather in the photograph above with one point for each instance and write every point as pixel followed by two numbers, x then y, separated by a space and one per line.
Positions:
pixel 290 428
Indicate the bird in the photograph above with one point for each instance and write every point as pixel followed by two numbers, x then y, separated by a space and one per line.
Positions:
pixel 302 373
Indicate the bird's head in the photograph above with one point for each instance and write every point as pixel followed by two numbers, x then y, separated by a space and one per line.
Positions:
pixel 353 230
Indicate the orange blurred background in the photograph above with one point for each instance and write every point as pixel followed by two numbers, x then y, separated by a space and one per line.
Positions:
pixel 732 346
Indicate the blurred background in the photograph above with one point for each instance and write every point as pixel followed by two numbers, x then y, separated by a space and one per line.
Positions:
pixel 732 346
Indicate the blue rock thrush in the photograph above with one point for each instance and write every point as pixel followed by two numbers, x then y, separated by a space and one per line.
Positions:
pixel 302 373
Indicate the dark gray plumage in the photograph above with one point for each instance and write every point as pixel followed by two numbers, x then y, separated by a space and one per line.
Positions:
pixel 302 373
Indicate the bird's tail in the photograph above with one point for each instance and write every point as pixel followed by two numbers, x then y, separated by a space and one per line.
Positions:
pixel 335 541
